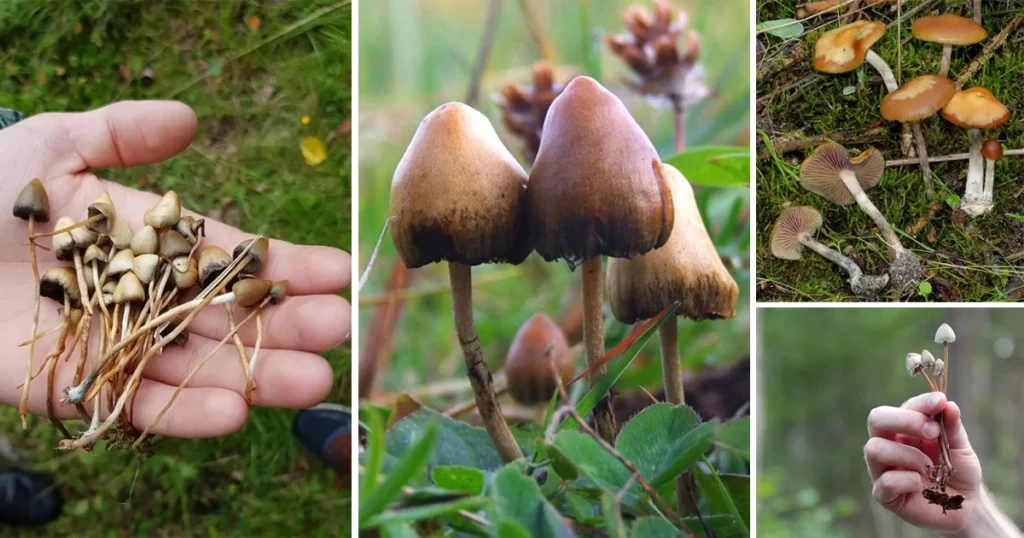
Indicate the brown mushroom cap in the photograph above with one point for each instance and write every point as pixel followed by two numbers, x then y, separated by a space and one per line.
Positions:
pixel 949 30
pixel 63 244
pixel 212 260
pixel 94 253
pixel 120 234
pixel 57 282
pixel 918 98
pixel 975 108
pixel 103 207
pixel 165 213
pixel 251 291
pixel 819 172
pixel 844 49
pixel 129 289
pixel 33 202
pixel 791 224
pixel 458 194
pixel 596 187
pixel 528 365
pixel 120 263
pixel 687 269
pixel 172 245
pixel 257 254
pixel 992 150
pixel 187 277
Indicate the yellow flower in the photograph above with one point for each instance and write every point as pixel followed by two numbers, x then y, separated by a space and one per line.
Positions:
pixel 313 150
pixel 305 119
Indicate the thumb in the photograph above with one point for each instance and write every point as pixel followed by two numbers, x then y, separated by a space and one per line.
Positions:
pixel 955 432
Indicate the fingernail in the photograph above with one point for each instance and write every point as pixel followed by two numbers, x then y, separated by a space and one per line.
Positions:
pixel 934 400
pixel 931 430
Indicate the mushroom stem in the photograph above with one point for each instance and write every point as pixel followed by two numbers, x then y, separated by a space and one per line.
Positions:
pixel 922 157
pixel 59 231
pixel 974 202
pixel 977 11
pixel 883 69
pixel 893 242
pixel 671 369
pixel 947 55
pixel 832 255
pixel 23 404
pixel 678 123
pixel 945 362
pixel 593 342
pixel 476 369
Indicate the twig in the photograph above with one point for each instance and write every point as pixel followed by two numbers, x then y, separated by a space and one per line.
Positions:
pixel 945 158
pixel 373 256
pixel 381 336
pixel 533 25
pixel 484 52
pixel 470 405
pixel 787 145
pixel 408 295
pixel 989 49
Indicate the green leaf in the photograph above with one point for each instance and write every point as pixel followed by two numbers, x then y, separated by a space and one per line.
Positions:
pixel 398 530
pixel 1011 215
pixel 734 436
pixel 663 441
pixel 924 289
pixel 518 498
pixel 724 526
pixel 507 528
pixel 718 497
pixel 654 527
pixel 561 464
pixel 612 516
pixel 424 512
pixel 374 456
pixel 459 478
pixel 784 28
pixel 714 166
pixel 738 486
pixel 596 464
pixel 410 465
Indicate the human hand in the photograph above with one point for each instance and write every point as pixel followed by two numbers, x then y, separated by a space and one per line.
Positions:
pixel 60 150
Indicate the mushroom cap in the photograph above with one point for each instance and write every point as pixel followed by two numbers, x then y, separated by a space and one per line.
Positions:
pixel 251 291
pixel 212 260
pixel 129 289
pixel 992 150
pixel 528 364
pixel 927 359
pixel 165 213
pixel 278 291
pixel 94 253
pixel 33 202
pixel 820 171
pixel 913 363
pixel 144 266
pixel 120 234
pixel 172 245
pixel 948 29
pixel 103 206
pixel 57 282
pixel 120 263
pixel 939 368
pixel 84 237
pixel 597 187
pixel 791 224
pixel 458 194
pixel 945 334
pixel 975 108
pixel 257 254
pixel 687 268
pixel 145 241
pixel 63 244
pixel 187 277
pixel 189 226
pixel 844 49
pixel 918 98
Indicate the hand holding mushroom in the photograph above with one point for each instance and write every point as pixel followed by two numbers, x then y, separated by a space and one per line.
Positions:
pixel 60 149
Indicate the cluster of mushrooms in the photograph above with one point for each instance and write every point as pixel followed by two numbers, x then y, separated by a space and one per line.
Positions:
pixel 919 364
pixel 597 188
pixel 140 291
pixel 841 179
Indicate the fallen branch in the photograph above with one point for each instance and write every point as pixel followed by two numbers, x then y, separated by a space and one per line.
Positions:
pixel 993 45
pixel 787 145
pixel 945 158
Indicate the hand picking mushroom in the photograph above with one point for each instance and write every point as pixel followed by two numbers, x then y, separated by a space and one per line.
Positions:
pixel 596 189
pixel 975 109
pixel 917 100
pixel 830 172
pixel 948 30
pixel 795 229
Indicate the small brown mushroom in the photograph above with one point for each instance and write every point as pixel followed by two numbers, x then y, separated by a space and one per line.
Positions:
pixel 58 283
pixel 145 241
pixel 257 254
pixel 212 261
pixel 33 203
pixel 165 213
pixel 919 99
pixel 538 345
pixel 948 30
pixel 975 109
pixel 846 48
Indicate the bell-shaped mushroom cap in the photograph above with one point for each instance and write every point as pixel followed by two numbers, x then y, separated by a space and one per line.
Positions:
pixel 257 254
pixel 945 334
pixel 212 260
pixel 189 226
pixel 992 150
pixel 939 368
pixel 172 245
pixel 918 98
pixel 57 282
pixel 250 291
pixel 948 29
pixel 144 266
pixel 791 224
pixel 975 108
pixel 84 237
pixel 596 187
pixel 33 202
pixel 63 244
pixel 145 241
pixel 165 213
pixel 103 207
pixel 844 49
pixel 278 291
pixel 913 363
pixel 538 343
pixel 120 263
pixel 129 289
pixel 94 254
pixel 458 194
pixel 187 276
pixel 820 172
pixel 687 269
pixel 120 234
pixel 927 359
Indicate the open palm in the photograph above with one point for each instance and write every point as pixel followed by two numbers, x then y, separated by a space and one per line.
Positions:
pixel 60 150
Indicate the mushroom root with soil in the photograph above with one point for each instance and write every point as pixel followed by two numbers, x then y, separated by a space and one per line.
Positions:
pixel 975 109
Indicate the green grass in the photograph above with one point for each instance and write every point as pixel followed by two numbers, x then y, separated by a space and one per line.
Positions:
pixel 249 89
pixel 966 259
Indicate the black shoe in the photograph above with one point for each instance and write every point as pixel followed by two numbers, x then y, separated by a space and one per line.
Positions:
pixel 326 432
pixel 28 499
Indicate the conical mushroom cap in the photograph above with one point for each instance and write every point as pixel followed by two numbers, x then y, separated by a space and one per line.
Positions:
pixel 102 207
pixel 63 244
pixel 458 194
pixel 251 291
pixel 940 367
pixel 927 359
pixel 145 241
pixel 945 334
pixel 94 254
pixel 212 260
pixel 791 224
pixel 172 245
pixel 596 187
pixel 120 263
pixel 845 48
pixel 165 213
pixel 129 289
pixel 120 234
pixel 144 266
pixel 189 226
pixel 538 343
pixel 188 277
pixel 820 172
pixel 913 363
pixel 84 237
pixel 33 202
pixel 686 269
pixel 258 254
pixel 57 282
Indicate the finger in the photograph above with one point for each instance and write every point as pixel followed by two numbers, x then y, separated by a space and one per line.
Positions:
pixel 929 403
pixel 196 413
pixel 884 455
pixel 889 421
pixel 309 323
pixel 930 447
pixel 955 432
pixel 890 488
pixel 284 378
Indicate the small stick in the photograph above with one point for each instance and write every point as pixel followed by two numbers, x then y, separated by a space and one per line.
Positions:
pixel 465 407
pixel 945 158
pixel 76 225
pixel 242 359
pixel 373 256
pixel 23 404
pixel 250 384
pixel 994 44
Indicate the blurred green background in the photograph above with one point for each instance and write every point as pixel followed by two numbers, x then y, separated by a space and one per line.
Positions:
pixel 821 371
pixel 251 70
pixel 415 56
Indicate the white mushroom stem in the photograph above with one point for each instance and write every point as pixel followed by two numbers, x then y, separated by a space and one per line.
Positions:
pixel 990 178
pixel 891 85
pixel 850 180
pixel 977 200
pixel 947 55
pixel 672 370
pixel 832 255
pixel 922 158
pixel 977 11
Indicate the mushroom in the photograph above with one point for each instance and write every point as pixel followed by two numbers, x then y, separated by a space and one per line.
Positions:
pixel 975 109
pixel 948 30
pixel 919 99
pixel 145 241
pixel 165 213
pixel 596 189
pixel 458 195
pixel 992 151
pixel 830 172
pixel 100 218
pixel 538 347
pixel 686 269
pixel 32 205
pixel 212 260
pixel 256 256
pixel 795 229
pixel 913 364
pixel 945 336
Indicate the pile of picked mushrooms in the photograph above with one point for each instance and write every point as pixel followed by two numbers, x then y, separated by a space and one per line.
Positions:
pixel 831 173
pixel 133 294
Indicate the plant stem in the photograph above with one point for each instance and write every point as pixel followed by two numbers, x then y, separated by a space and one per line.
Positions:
pixel 922 157
pixel 23 404
pixel 977 11
pixel 883 69
pixel 679 123
pixel 893 242
pixel 945 363
pixel 951 157
pixel 476 369
pixel 593 341
pixel 671 369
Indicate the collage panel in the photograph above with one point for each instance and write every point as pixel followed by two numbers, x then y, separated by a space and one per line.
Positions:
pixel 543 186
pixel 888 151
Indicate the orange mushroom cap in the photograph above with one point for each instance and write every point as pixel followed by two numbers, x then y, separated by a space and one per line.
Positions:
pixel 975 108
pixel 948 30
pixel 844 49
pixel 918 98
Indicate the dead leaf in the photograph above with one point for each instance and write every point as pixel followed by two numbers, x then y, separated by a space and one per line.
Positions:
pixel 405 405
pixel 933 235
pixel 76 28
pixel 916 227
pixel 314 151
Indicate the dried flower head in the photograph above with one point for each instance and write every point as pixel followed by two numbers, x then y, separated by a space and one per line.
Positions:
pixel 523 108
